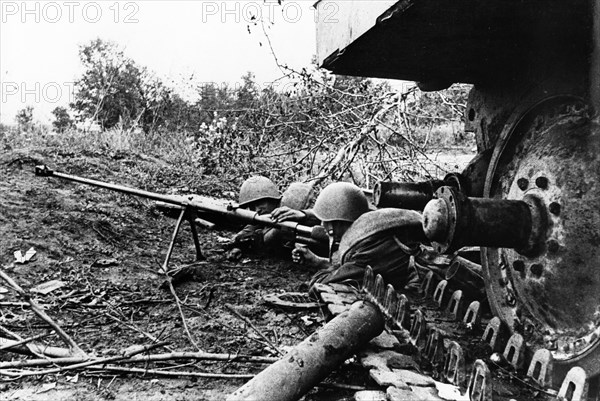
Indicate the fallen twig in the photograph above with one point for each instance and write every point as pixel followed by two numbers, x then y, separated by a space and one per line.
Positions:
pixel 10 333
pixel 232 310
pixel 159 372
pixel 229 328
pixel 16 304
pixel 172 373
pixel 134 328
pixel 8 345
pixel 39 350
pixel 40 312
pixel 342 386
pixel 84 364
pixel 145 358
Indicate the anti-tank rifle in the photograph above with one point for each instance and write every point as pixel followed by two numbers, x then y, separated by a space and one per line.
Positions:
pixel 191 206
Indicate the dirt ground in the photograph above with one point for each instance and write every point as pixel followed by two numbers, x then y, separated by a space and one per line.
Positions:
pixel 107 248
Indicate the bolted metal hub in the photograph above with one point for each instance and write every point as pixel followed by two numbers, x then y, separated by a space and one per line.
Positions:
pixel 548 291
pixel 453 220
pixel 437 221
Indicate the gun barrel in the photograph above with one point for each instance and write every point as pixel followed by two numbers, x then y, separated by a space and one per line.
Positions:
pixel 195 202
pixel 44 171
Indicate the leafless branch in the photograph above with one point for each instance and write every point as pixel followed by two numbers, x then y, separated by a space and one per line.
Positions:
pixel 43 315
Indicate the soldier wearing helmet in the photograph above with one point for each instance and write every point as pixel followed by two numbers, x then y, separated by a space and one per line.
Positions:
pixel 383 239
pixel 261 195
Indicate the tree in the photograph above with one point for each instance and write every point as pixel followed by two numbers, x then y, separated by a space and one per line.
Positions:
pixel 110 90
pixel 62 119
pixel 247 94
pixel 114 90
pixel 24 118
pixel 214 99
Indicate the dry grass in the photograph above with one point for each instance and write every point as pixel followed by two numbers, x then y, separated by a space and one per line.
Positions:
pixel 179 160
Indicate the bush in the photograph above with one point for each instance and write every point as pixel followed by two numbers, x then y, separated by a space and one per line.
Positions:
pixel 322 128
pixel 62 120
pixel 24 118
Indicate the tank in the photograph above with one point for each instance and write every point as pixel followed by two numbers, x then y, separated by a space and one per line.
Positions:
pixel 535 70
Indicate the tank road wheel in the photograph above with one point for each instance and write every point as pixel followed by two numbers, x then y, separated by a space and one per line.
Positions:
pixel 550 291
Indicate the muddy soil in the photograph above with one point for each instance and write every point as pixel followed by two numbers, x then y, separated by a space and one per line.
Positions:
pixel 107 248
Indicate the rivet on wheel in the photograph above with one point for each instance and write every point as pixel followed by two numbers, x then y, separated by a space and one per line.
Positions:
pixel 529 329
pixel 522 183
pixel 554 208
pixel 550 342
pixel 519 265
pixel 541 182
pixel 537 269
pixel 553 246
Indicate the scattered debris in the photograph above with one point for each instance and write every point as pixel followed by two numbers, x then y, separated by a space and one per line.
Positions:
pixel 370 395
pixel 190 273
pixel 68 259
pixel 450 392
pixel 42 314
pixel 293 300
pixel 401 394
pixel 385 341
pixel 105 263
pixel 73 379
pixel 48 287
pixel 249 323
pixel 310 320
pixel 234 255
pixel 46 387
pixel 22 259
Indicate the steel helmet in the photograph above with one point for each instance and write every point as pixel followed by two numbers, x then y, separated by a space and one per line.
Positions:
pixel 341 201
pixel 256 188
pixel 298 196
pixel 400 223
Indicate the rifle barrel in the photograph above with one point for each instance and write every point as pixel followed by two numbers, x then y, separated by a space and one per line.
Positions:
pixel 195 202
pixel 172 199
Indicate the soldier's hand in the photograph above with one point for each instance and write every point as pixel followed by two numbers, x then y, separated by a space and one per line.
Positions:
pixel 284 213
pixel 244 240
pixel 298 254
pixel 243 236
pixel 304 256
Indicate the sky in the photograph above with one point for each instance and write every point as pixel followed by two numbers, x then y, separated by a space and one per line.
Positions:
pixel 215 41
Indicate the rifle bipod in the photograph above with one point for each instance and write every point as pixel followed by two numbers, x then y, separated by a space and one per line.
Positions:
pixel 189 214
pixel 190 205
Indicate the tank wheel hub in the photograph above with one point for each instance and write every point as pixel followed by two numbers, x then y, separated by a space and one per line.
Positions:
pixel 551 155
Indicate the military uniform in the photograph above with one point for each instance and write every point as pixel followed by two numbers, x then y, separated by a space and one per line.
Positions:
pixel 384 249
pixel 381 239
pixel 259 238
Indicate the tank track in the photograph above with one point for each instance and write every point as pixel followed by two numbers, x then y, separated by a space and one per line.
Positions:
pixel 457 341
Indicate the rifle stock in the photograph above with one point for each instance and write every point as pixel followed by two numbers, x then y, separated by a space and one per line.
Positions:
pixel 303 234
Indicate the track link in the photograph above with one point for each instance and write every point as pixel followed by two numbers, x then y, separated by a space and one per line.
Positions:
pixel 455 340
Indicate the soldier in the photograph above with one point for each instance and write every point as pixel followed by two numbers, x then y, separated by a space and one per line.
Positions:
pixel 261 195
pixel 295 204
pixel 383 239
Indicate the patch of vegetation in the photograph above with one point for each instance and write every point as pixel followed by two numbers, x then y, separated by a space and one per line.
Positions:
pixel 319 128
